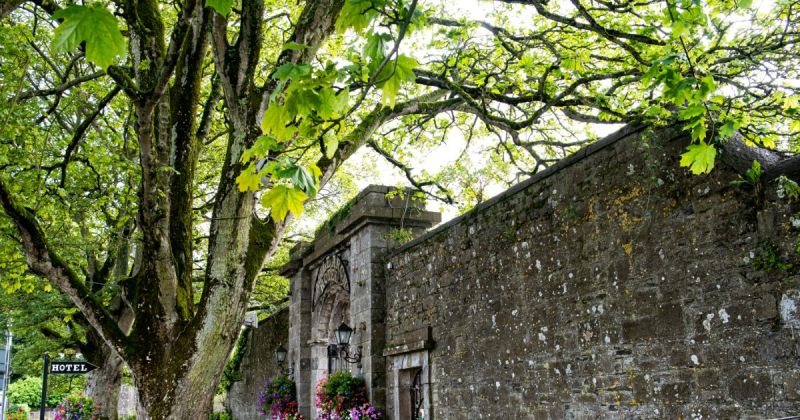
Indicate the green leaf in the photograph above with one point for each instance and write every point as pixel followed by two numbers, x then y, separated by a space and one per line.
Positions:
pixel 275 122
pixel 374 48
pixel 262 147
pixel 291 71
pixel 331 144
pixel 791 102
pixel 222 7
pixel 249 179
pixel 699 158
pixel 678 29
pixel 282 199
pixel 729 128
pixel 296 46
pixel 753 175
pixel 299 177
pixel 315 170
pixel 707 85
pixel 790 188
pixel 692 111
pixel 393 75
pixel 355 14
pixel 95 26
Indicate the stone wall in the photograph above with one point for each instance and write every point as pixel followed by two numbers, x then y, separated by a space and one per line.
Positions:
pixel 614 285
pixel 258 365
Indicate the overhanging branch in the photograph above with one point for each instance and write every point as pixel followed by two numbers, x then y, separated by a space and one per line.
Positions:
pixel 45 262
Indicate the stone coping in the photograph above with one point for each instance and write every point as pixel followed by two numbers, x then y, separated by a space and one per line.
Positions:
pixel 370 206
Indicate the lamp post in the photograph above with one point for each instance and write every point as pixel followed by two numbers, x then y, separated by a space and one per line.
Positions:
pixel 343 334
pixel 6 374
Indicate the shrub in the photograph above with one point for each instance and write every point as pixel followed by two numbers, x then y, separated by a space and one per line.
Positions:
pixel 28 391
pixel 222 415
pixel 279 398
pixel 341 396
pixel 78 407
pixel 20 412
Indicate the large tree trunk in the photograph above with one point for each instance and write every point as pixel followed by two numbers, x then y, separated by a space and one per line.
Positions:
pixel 104 384
pixel 177 350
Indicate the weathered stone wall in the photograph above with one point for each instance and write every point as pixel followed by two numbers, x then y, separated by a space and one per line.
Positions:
pixel 258 365
pixel 614 285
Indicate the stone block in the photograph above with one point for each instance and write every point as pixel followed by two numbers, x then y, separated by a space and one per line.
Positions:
pixel 750 385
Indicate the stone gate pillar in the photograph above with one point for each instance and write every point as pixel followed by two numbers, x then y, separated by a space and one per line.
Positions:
pixel 339 278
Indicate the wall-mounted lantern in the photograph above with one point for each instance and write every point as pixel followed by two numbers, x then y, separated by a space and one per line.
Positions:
pixel 343 334
pixel 280 357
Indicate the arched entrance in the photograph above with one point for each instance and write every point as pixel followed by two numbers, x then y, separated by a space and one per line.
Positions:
pixel 330 306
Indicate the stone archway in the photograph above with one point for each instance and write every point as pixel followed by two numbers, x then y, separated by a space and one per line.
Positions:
pixel 330 306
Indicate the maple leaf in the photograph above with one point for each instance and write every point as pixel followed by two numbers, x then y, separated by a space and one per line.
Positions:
pixel 699 158
pixel 222 7
pixel 282 199
pixel 248 180
pixel 95 26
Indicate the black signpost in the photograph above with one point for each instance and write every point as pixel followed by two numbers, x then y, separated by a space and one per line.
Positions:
pixel 66 367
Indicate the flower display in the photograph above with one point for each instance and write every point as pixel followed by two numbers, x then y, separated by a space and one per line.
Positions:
pixel 78 407
pixel 278 399
pixel 341 396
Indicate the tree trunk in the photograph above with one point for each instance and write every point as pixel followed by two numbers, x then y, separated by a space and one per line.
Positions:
pixel 104 384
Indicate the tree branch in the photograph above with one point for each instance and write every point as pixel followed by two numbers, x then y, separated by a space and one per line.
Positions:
pixel 43 261
pixel 60 88
pixel 81 130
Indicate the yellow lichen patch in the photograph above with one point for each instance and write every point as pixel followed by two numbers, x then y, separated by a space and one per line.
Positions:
pixel 635 192
pixel 590 215
pixel 626 222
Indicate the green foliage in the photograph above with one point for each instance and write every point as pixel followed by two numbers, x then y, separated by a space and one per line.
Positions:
pixel 788 188
pixel 300 177
pixel 28 391
pixel 337 216
pixel 222 7
pixel 222 415
pixel 496 100
pixel 232 372
pixel 399 236
pixel 393 76
pixel 768 258
pixel 752 176
pixel 20 412
pixel 357 14
pixel 282 199
pixel 699 158
pixel 94 25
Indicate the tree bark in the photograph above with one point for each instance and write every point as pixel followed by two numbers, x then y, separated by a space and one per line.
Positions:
pixel 104 383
